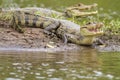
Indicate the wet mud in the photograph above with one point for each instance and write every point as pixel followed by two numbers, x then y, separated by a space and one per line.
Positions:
pixel 34 39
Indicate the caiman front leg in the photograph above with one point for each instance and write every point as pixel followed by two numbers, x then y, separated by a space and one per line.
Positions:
pixel 51 28
pixel 56 28
pixel 63 36
pixel 61 33
pixel 99 42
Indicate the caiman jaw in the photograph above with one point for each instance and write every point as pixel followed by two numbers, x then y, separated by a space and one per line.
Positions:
pixel 92 30
pixel 77 13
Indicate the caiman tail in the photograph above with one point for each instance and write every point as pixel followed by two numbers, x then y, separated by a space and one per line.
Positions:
pixel 24 18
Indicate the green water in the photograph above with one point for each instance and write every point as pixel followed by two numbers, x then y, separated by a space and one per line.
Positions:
pixel 85 65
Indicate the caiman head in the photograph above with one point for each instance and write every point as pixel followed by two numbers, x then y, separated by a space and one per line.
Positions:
pixel 90 32
pixel 81 10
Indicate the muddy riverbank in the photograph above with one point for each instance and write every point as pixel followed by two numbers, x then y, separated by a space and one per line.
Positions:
pixel 33 39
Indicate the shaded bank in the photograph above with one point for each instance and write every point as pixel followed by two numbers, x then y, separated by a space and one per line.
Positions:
pixel 33 39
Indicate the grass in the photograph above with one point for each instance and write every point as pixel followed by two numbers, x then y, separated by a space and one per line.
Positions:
pixel 111 26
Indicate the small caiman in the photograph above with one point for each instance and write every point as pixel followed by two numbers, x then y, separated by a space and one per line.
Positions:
pixel 66 30
pixel 78 10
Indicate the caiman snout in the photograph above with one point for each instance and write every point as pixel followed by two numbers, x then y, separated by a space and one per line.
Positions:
pixel 90 32
pixel 92 29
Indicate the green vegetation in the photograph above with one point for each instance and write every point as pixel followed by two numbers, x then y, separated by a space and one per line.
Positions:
pixel 111 27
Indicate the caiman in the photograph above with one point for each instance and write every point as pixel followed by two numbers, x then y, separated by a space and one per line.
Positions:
pixel 64 29
pixel 79 10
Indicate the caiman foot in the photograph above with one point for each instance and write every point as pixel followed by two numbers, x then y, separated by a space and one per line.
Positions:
pixel 99 42
pixel 49 33
pixel 65 40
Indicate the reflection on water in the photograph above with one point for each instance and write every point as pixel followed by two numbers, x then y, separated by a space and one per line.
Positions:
pixel 85 65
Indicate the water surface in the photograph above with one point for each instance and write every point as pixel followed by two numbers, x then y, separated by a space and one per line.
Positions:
pixel 84 65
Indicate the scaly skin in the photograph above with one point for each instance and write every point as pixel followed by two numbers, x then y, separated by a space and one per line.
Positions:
pixel 68 31
pixel 85 35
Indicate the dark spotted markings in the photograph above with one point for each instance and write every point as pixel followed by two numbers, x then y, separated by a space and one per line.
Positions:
pixel 26 20
pixel 41 25
pixel 35 19
pixel 19 19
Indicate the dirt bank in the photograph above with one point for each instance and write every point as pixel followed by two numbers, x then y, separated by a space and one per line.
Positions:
pixel 33 39
pixel 112 43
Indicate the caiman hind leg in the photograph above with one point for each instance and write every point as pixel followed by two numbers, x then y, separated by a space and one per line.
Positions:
pixel 17 21
pixel 16 26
